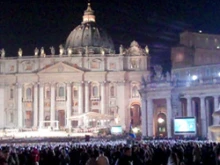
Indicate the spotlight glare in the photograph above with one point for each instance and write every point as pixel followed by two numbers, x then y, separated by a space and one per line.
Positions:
pixel 194 77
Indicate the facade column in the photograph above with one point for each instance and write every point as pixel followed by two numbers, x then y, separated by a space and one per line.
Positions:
pixel 20 112
pixel 35 105
pixel 41 106
pixel 2 106
pixel 208 112
pixel 52 105
pixel 86 97
pixel 216 108
pixel 169 117
pixel 68 106
pixel 189 107
pixel 80 102
pixel 193 108
pixel 203 117
pixel 150 117
pixel 122 109
pixel 103 98
pixel 143 115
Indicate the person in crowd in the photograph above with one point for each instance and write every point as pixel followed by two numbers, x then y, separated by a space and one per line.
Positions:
pixel 111 152
pixel 126 158
pixel 173 159
pixel 102 159
pixel 196 154
pixel 92 158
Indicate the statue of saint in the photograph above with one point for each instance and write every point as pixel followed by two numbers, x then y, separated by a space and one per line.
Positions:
pixel 158 71
pixel 36 51
pixel 52 50
pixel 146 49
pixel 121 49
pixel 42 53
pixel 134 64
pixel 69 51
pixel 61 50
pixel 20 52
pixel 168 78
pixel 102 51
pixel 87 51
pixel 3 53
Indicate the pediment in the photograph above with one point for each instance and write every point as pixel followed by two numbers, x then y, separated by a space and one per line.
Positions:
pixel 61 67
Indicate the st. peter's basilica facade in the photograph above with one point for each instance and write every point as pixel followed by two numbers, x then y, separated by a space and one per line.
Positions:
pixel 86 75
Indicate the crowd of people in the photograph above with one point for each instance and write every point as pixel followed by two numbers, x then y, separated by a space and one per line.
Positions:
pixel 118 152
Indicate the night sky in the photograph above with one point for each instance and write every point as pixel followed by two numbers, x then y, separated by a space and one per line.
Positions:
pixel 28 24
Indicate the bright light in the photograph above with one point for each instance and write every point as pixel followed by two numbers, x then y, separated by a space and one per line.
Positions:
pixel 219 74
pixel 116 120
pixel 218 47
pixel 200 31
pixel 194 77
pixel 160 120
pixel 135 130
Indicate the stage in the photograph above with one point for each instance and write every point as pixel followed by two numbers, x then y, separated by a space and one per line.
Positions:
pixel 41 133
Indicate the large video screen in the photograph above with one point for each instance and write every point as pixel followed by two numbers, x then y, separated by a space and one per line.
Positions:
pixel 116 130
pixel 185 125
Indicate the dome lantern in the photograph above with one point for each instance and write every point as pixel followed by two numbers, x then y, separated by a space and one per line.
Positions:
pixel 88 14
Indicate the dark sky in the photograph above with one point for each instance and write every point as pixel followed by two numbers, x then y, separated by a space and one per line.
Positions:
pixel 157 23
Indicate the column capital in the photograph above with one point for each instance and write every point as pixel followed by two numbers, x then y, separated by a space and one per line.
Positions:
pixel 103 82
pixel 87 82
pixel 79 83
pixel 202 97
pixel 69 84
pixel 36 83
pixel 168 98
pixel 121 82
pixel 216 96
pixel 18 84
pixel 41 84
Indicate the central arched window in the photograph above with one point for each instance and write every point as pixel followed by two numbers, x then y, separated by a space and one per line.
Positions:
pixel 61 92
pixel 135 92
pixel 95 91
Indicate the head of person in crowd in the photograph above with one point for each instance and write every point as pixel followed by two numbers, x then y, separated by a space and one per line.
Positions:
pixel 127 151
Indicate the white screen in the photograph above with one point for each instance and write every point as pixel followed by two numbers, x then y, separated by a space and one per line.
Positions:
pixel 116 130
pixel 184 125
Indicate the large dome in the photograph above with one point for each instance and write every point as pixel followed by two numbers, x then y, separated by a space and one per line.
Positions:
pixel 88 36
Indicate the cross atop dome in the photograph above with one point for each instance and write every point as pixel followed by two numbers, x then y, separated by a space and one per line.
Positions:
pixel 88 14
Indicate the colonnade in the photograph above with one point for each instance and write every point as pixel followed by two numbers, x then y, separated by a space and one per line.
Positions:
pixel 204 113
pixel 38 101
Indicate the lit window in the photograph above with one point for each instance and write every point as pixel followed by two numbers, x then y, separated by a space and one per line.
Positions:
pixel 179 57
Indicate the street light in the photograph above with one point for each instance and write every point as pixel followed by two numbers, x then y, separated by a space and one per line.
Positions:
pixel 160 120
pixel 194 77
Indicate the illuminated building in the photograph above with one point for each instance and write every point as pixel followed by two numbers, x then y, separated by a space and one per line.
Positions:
pixel 85 75
pixel 191 90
